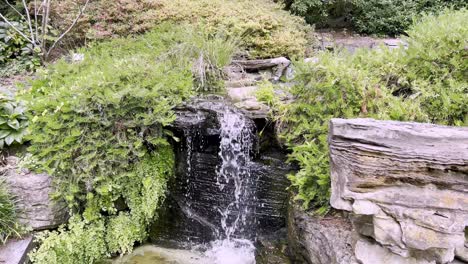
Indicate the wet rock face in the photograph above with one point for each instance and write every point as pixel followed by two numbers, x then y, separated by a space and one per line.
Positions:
pixel 32 190
pixel 319 240
pixel 193 206
pixel 406 185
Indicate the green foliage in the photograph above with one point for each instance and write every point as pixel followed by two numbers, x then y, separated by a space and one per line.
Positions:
pixel 16 54
pixel 393 17
pixel 266 94
pixel 97 127
pixel 13 122
pixel 91 119
pixel 101 233
pixel 388 17
pixel 265 31
pixel 321 12
pixel 426 82
pixel 9 225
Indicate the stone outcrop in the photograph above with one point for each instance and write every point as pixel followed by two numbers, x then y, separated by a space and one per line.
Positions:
pixel 406 185
pixel 32 191
pixel 243 77
pixel 317 240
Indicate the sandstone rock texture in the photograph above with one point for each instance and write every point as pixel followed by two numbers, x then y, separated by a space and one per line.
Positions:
pixel 32 191
pixel 317 240
pixel 406 185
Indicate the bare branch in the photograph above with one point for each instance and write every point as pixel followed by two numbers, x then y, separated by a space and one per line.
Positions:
pixel 35 20
pixel 29 20
pixel 69 28
pixel 45 21
pixel 12 7
pixel 16 29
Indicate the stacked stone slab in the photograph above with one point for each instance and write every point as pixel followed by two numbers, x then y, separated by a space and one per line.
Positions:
pixel 243 77
pixel 406 185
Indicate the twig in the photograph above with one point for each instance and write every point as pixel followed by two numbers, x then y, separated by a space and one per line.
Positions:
pixel 29 21
pixel 35 19
pixel 69 28
pixel 45 20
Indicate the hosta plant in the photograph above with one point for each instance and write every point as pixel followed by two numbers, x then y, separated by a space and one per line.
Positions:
pixel 13 122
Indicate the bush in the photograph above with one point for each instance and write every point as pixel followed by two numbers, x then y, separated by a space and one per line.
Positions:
pixel 394 17
pixel 426 83
pixel 98 127
pixel 9 225
pixel 266 30
pixel 321 12
pixel 13 122
pixel 93 237
pixel 16 54
pixel 387 17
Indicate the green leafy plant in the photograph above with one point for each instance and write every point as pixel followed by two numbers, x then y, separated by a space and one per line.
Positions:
pixel 97 235
pixel 382 17
pixel 426 82
pixel 13 122
pixel 265 31
pixel 9 225
pixel 16 54
pixel 98 127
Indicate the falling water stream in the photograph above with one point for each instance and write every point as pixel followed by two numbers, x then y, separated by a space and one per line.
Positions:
pixel 233 243
pixel 237 217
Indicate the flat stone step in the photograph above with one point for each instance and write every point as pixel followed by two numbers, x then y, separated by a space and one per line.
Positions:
pixel 15 251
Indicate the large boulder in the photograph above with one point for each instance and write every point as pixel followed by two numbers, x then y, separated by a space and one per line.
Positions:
pixel 406 185
pixel 33 191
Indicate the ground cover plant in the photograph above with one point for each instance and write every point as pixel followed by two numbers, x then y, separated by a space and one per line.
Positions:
pixel 98 127
pixel 264 31
pixel 426 82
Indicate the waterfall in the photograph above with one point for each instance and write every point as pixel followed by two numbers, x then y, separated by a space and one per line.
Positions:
pixel 234 177
pixel 225 199
pixel 235 148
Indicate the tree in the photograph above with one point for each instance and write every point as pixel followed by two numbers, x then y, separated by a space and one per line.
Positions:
pixel 36 15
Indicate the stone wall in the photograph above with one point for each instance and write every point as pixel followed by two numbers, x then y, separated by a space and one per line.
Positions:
pixel 406 186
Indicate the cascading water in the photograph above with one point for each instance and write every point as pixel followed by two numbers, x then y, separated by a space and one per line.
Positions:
pixel 225 198
pixel 237 218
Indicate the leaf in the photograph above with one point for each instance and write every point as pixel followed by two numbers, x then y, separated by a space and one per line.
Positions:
pixel 9 140
pixel 14 124
pixel 4 133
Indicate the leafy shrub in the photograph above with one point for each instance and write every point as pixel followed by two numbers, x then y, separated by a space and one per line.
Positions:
pixel 16 54
pixel 321 12
pixel 266 30
pixel 9 225
pixel 93 237
pixel 393 17
pixel 98 128
pixel 388 17
pixel 13 122
pixel 426 82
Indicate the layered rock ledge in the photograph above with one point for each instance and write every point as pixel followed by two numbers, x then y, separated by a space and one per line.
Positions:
pixel 406 185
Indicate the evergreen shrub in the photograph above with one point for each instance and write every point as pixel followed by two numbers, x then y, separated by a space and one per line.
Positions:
pixel 427 82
